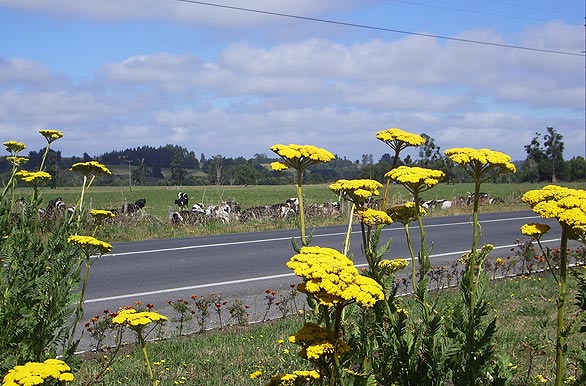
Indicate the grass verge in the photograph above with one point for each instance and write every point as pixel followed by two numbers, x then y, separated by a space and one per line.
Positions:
pixel 525 308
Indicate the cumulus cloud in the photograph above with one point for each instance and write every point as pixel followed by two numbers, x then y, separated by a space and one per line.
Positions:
pixel 178 11
pixel 319 91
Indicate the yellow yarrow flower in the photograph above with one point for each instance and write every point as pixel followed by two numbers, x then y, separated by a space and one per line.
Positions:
pixel 332 278
pixel 416 179
pixel 17 161
pixel 137 319
pixel 90 167
pixel 392 266
pixel 35 373
pixel 406 213
pixel 90 244
pixel 14 147
pixel 255 374
pixel 478 162
pixel 51 135
pixel 292 378
pixel 356 191
pixel 33 177
pixel 315 342
pixel 398 139
pixel 567 205
pixel 279 166
pixel 101 214
pixel 372 217
pixel 535 229
pixel 301 156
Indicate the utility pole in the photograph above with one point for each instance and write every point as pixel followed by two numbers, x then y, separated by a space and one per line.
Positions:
pixel 123 158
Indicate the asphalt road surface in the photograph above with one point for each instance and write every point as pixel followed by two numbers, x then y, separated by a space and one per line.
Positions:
pixel 244 265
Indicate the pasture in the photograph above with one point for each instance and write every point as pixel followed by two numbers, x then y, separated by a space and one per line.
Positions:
pixel 154 222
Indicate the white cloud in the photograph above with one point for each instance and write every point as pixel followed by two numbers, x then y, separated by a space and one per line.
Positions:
pixel 181 11
pixel 310 91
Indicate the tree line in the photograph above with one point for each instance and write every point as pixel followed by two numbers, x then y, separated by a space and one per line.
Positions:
pixel 177 165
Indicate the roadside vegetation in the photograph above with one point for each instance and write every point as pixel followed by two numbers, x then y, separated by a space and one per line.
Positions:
pixel 393 322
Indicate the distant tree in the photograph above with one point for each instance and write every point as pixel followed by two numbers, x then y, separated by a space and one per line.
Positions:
pixel 575 169
pixel 545 161
pixel 246 174
pixel 139 174
pixel 86 157
pixel 429 154
pixel 178 172
pixel 157 172
pixel 554 150
pixel 214 167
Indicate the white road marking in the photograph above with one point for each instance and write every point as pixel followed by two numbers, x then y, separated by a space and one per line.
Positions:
pixel 260 278
pixel 289 238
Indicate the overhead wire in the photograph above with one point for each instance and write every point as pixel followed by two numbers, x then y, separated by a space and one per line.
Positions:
pixel 370 27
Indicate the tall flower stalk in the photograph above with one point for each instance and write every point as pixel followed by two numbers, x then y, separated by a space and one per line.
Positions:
pixel 89 170
pixel 300 157
pixel 568 207
pixel 137 322
pixel 481 165
pixel 417 180
pixel 332 282
pixel 91 249
pixel 397 140
pixel 357 192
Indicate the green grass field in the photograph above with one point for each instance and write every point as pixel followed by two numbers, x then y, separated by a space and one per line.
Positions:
pixel 154 222
pixel 524 306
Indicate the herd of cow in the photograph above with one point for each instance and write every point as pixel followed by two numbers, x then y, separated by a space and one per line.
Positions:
pixel 231 211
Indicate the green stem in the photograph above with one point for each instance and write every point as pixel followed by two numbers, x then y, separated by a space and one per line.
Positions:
pixel 561 304
pixel 412 253
pixel 472 282
pixel 142 343
pixel 79 308
pixel 301 207
pixel 349 231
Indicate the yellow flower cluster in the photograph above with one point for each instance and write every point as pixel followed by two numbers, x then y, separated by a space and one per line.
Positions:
pixel 255 374
pixel 279 166
pixel 292 379
pixel 51 135
pixel 332 277
pixel 535 229
pixel 35 373
pixel 406 213
pixel 372 217
pixel 17 161
pixel 477 158
pixel 356 191
pixel 416 179
pixel 90 167
pixel 101 213
pixel 137 319
pixel 33 177
pixel 392 266
pixel 567 205
pixel 301 156
pixel 316 343
pixel 398 139
pixel 14 147
pixel 90 244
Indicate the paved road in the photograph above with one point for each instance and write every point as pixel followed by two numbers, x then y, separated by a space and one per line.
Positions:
pixel 244 265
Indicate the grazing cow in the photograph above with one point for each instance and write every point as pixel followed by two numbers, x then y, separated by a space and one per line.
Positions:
pixel 496 200
pixel 138 205
pixel 432 204
pixel 327 209
pixel 182 200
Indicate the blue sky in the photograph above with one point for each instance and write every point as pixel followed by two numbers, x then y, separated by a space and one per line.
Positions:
pixel 114 74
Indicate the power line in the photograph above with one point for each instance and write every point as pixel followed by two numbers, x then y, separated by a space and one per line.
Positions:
pixel 364 26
